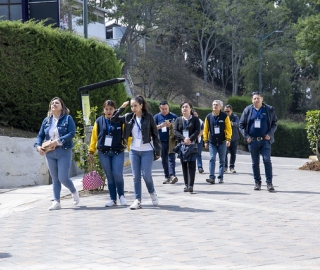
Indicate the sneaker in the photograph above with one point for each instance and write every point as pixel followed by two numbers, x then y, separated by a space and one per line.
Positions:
pixel 201 170
pixel 232 170
pixel 111 203
pixel 136 205
pixel 173 179
pixel 190 189
pixel 167 181
pixel 154 198
pixel 75 197
pixel 225 170
pixel 185 189
pixel 221 181
pixel 257 186
pixel 123 200
pixel 211 181
pixel 55 206
pixel 270 187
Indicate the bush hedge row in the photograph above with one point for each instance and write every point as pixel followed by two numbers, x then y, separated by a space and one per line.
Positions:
pixel 39 63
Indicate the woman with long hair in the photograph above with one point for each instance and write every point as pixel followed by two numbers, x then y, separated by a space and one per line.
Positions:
pixel 140 125
pixel 186 131
pixel 58 128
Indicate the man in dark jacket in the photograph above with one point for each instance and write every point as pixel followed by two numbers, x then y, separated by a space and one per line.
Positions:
pixel 234 120
pixel 257 124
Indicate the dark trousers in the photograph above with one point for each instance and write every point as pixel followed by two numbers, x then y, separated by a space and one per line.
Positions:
pixel 189 172
pixel 233 153
pixel 168 160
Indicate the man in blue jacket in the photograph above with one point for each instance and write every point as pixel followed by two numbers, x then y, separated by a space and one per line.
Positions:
pixel 164 120
pixel 257 124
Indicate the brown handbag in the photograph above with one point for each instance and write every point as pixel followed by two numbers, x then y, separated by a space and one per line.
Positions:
pixel 45 147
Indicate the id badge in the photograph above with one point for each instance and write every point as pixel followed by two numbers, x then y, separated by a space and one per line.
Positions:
pixel 216 130
pixel 108 140
pixel 257 123
pixel 199 139
pixel 185 133
pixel 164 129
pixel 137 142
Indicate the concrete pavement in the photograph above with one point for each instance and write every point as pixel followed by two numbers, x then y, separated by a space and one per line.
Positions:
pixel 221 226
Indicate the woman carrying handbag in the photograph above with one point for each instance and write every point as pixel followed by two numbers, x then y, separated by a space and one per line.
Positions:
pixel 186 131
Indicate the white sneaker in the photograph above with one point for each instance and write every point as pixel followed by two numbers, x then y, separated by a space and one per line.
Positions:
pixel 111 203
pixel 123 200
pixel 75 197
pixel 154 198
pixel 136 205
pixel 55 206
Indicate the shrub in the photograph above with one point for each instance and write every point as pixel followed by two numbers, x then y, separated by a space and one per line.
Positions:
pixel 239 103
pixel 39 63
pixel 313 129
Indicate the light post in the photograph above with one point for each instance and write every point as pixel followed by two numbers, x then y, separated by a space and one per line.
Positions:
pixel 262 38
pixel 85 18
pixel 198 95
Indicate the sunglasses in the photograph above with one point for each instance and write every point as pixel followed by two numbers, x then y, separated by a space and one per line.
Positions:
pixel 227 111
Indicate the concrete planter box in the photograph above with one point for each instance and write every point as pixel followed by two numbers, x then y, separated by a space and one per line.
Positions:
pixel 21 165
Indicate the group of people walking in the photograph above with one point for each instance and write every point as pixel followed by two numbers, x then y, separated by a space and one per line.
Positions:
pixel 165 133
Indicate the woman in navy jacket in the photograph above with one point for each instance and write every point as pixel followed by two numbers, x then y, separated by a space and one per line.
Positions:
pixel 59 129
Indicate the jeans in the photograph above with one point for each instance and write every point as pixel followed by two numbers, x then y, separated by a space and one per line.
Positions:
pixel 59 162
pixel 233 152
pixel 221 149
pixel 189 172
pixel 141 161
pixel 168 160
pixel 112 165
pixel 264 148
pixel 199 157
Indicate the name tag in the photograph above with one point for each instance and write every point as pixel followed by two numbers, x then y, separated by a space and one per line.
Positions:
pixel 257 123
pixel 185 133
pixel 108 140
pixel 137 142
pixel 216 130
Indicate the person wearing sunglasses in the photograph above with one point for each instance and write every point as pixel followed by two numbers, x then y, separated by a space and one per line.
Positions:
pixel 258 124
pixel 234 120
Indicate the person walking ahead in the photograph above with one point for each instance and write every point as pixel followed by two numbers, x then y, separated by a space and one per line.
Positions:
pixel 234 120
pixel 257 124
pixel 107 138
pixel 216 136
pixel 164 121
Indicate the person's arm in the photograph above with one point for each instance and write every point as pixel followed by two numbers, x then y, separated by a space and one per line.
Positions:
pixel 235 123
pixel 155 135
pixel 116 117
pixel 228 129
pixel 94 139
pixel 177 130
pixel 206 131
pixel 243 124
pixel 71 131
pixel 274 120
pixel 196 131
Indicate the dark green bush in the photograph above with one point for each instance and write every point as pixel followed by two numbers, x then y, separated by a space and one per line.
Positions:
pixel 39 63
pixel 239 103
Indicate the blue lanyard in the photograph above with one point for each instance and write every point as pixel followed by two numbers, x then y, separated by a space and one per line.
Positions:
pixel 185 122
pixel 258 113
pixel 139 129
pixel 215 121
pixel 108 125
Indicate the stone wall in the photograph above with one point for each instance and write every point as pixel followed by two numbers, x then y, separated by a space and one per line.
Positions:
pixel 21 165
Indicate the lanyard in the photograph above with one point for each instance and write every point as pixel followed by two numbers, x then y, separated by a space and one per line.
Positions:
pixel 108 125
pixel 258 113
pixel 185 122
pixel 139 129
pixel 215 121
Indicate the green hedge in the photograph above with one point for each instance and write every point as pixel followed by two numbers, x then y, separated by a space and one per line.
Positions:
pixel 39 63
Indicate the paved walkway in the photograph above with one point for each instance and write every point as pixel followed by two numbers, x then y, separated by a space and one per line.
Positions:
pixel 221 226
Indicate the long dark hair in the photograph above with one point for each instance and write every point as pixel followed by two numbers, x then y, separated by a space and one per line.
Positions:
pixel 141 100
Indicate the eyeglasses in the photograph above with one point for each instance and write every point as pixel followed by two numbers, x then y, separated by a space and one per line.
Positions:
pixel 227 111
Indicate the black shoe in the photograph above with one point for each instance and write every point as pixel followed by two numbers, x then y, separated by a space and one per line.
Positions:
pixel 270 187
pixel 221 181
pixel 190 189
pixel 201 170
pixel 185 189
pixel 257 186
pixel 210 181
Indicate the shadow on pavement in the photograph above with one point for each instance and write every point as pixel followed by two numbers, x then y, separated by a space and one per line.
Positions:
pixel 216 192
pixel 4 255
pixel 175 208
pixel 299 192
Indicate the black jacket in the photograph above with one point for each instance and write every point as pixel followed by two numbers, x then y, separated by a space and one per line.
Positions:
pixel 245 119
pixel 148 127
pixel 193 127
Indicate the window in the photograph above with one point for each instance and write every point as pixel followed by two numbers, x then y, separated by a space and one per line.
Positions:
pixel 10 10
